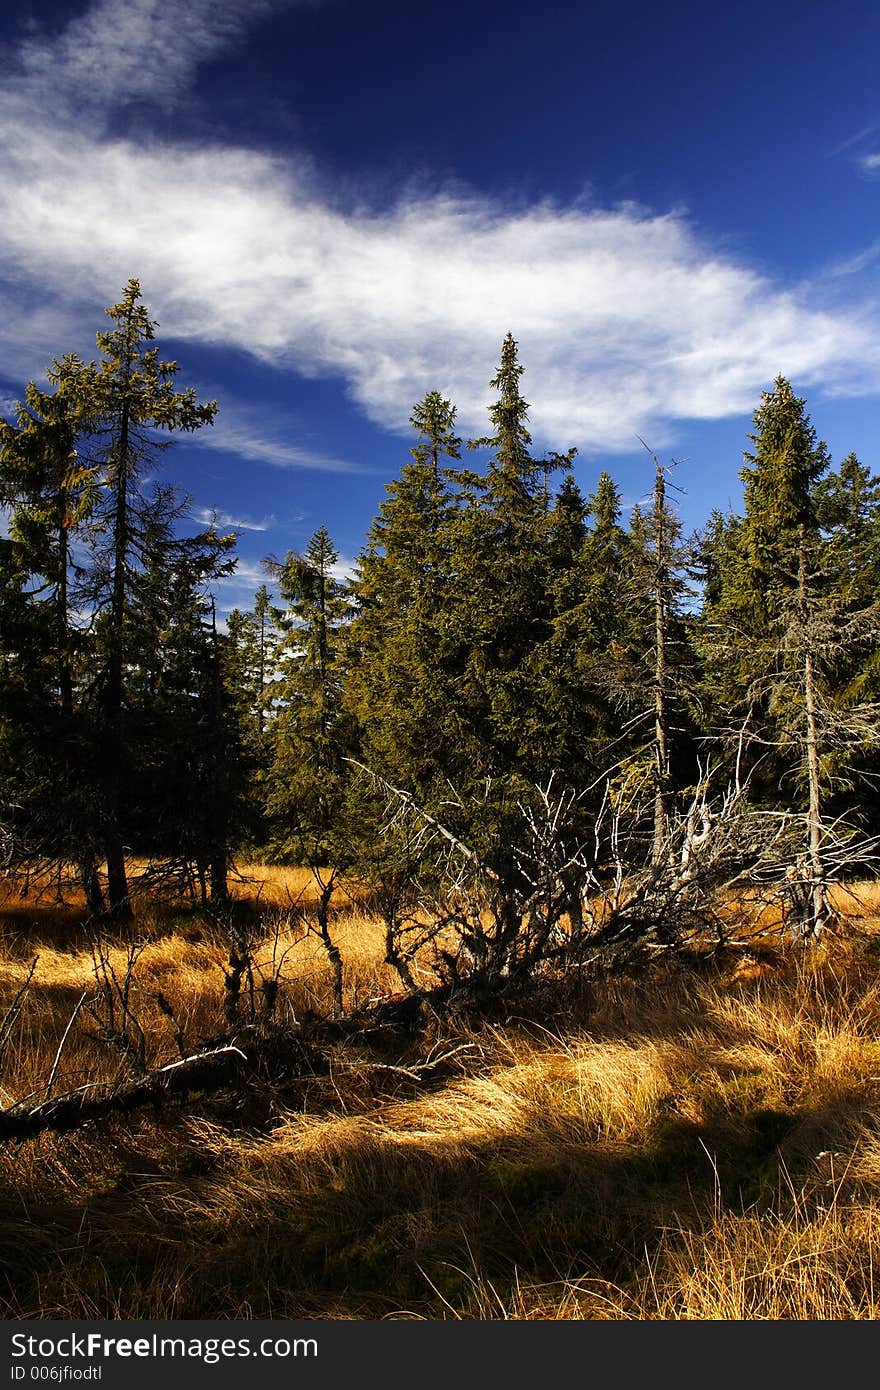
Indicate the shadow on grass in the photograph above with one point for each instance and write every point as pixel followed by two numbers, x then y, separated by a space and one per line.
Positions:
pixel 372 1213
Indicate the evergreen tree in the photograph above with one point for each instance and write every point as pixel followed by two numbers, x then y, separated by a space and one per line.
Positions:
pixel 780 502
pixel 665 675
pixel 588 664
pixel 249 652
pixel 264 655
pixel 784 624
pixel 310 805
pixel 404 650
pixel 88 537
pixel 312 733
pixel 455 612
pixel 251 657
pixel 49 492
pixel 433 419
pixel 753 565
pixel 848 511
pixel 118 403
pixel 514 476
pixel 185 758
pixel 847 502
pixel 503 605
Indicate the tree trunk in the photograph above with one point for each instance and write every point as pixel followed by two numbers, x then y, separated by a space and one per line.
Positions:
pixel 117 882
pixel 117 886
pixel 218 870
pixel 819 902
pixel 334 956
pixel 218 837
pixel 661 717
pixel 91 884
pixel 62 636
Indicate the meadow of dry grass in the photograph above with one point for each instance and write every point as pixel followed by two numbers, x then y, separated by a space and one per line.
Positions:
pixel 695 1144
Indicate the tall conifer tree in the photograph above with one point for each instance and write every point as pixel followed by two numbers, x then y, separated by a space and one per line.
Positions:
pixel 782 624
pixel 405 646
pixel 80 456
pixel 49 491
pixel 312 733
pixel 120 402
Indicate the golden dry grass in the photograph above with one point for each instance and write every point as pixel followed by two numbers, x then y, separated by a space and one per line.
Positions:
pixel 186 966
pixel 681 1146
pixel 270 885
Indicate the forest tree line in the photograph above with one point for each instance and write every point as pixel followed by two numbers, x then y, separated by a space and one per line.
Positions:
pixel 519 683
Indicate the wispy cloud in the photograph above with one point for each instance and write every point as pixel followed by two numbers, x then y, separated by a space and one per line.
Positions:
pixel 206 516
pixel 858 137
pixel 628 320
pixel 246 574
pixel 854 265
pixel 237 590
pixel 861 149
pixel 245 433
pixel 119 52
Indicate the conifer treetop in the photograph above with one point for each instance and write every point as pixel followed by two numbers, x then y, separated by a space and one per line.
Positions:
pixel 131 376
pixel 508 414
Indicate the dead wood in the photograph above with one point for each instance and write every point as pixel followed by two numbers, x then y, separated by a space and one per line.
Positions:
pixel 206 1071
pixel 249 1054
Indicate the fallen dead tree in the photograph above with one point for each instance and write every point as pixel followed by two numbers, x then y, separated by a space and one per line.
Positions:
pixel 272 1055
pixel 206 1071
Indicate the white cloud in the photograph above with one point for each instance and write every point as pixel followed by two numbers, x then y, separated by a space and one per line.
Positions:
pixel 860 148
pixel 247 433
pixel 237 590
pixel 207 516
pixel 119 52
pixel 345 569
pixel 245 574
pixel 628 321
pixel 854 265
pixel 858 137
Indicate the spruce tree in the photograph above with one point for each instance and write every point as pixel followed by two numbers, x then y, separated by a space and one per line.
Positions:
pixel 587 664
pixel 185 758
pixel 783 625
pixel 119 403
pixel 49 492
pixel 87 535
pixel 661 694
pixel 312 732
pixel 405 649
pixel 503 540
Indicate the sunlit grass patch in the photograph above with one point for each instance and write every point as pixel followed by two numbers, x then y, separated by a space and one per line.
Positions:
pixel 685 1144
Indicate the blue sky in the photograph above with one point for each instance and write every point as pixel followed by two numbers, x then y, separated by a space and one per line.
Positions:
pixel 334 206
